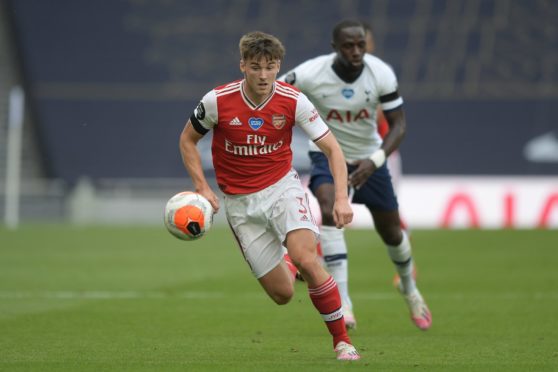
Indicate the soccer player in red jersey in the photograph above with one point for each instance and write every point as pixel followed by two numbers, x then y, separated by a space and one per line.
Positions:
pixel 252 121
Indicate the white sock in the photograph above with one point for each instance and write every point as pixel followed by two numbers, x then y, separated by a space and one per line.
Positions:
pixel 334 250
pixel 403 260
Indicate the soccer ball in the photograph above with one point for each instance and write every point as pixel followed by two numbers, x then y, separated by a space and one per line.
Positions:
pixel 188 215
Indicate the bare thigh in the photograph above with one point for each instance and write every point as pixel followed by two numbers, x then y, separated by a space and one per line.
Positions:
pixel 301 245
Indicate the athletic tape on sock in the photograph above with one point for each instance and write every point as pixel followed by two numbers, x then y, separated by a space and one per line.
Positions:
pixel 331 317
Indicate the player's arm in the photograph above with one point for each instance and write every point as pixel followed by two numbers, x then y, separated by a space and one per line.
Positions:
pixel 395 135
pixel 397 129
pixel 309 120
pixel 393 138
pixel 392 106
pixel 189 139
pixel 342 212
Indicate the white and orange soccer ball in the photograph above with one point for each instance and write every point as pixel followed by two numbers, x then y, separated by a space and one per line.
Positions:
pixel 188 215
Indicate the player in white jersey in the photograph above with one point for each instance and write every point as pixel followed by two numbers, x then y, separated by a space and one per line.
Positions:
pixel 394 162
pixel 346 87
pixel 394 159
pixel 252 121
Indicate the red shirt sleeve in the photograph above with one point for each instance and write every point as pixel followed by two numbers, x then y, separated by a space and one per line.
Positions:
pixel 383 126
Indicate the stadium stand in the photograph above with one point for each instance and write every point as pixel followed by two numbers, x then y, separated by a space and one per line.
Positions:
pixel 107 103
pixel 41 197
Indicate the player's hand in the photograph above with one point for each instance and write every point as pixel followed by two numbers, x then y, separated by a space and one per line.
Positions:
pixel 342 212
pixel 211 197
pixel 364 169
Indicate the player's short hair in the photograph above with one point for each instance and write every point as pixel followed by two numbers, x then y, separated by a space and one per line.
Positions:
pixel 367 26
pixel 346 23
pixel 258 44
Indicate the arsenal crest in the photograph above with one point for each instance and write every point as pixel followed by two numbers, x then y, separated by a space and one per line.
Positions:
pixel 278 121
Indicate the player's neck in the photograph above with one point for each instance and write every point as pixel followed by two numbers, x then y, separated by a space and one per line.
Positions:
pixel 255 97
pixel 346 74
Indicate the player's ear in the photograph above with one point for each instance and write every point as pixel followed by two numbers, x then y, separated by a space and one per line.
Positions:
pixel 242 66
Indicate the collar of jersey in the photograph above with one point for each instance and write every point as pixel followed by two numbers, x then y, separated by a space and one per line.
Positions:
pixel 249 102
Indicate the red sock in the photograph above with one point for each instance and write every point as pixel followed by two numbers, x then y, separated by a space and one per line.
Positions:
pixel 291 265
pixel 327 301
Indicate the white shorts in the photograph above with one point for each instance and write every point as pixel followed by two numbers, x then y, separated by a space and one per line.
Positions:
pixel 261 221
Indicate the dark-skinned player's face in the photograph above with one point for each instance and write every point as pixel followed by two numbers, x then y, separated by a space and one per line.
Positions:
pixel 350 47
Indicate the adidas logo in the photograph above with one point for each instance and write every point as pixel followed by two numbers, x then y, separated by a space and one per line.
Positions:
pixel 235 121
pixel 304 218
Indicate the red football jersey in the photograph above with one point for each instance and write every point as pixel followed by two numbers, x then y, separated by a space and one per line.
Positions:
pixel 252 143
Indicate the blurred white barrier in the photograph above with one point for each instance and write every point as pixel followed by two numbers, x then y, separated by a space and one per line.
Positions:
pixel 13 157
pixel 425 202
pixel 473 202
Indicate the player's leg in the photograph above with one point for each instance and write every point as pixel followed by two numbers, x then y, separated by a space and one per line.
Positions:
pixel 399 250
pixel 278 283
pixel 396 171
pixel 292 220
pixel 398 246
pixel 334 249
pixel 379 197
pixel 264 254
pixel 322 289
pixel 301 245
pixel 291 266
pixel 260 248
pixel 332 239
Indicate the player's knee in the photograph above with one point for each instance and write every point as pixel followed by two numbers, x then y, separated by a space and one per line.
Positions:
pixel 307 265
pixel 327 219
pixel 392 236
pixel 326 207
pixel 283 296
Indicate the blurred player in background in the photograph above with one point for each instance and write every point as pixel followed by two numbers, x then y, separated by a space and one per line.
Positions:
pixel 394 159
pixel 346 87
pixel 252 121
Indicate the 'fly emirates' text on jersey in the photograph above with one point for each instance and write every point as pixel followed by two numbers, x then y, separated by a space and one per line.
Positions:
pixel 349 109
pixel 252 143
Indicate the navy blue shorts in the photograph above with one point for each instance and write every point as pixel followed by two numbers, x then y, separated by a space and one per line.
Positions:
pixel 376 193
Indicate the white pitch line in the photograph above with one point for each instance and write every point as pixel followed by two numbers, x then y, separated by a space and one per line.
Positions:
pixel 106 295
pixel 463 296
pixel 373 296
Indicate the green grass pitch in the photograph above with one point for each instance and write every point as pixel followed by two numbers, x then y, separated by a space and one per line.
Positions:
pixel 137 299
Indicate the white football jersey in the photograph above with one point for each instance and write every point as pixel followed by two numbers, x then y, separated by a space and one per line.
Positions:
pixel 349 109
